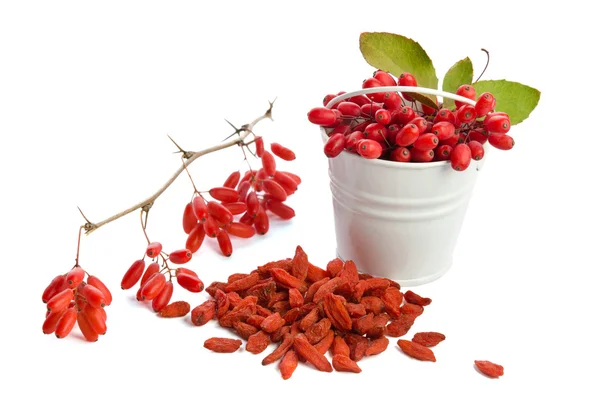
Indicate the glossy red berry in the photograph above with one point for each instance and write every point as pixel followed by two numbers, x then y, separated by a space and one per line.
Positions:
pixel 466 114
pixel 150 270
pixel 153 250
pixel 479 135
pixel 384 78
pixel 52 288
pixel 163 298
pixel 376 132
pixel 442 152
pixel 283 152
pixel 224 194
pixel 426 142
pixel 179 257
pixel 268 163
pixel 485 104
pixel 369 148
pixel 407 135
pixel 477 151
pixel 460 158
pixel 421 124
pixel 95 282
pixel 328 98
pixel 360 100
pixel 232 180
pixel 392 101
pixel 501 141
pixel 407 79
pixel 60 301
pixel 445 115
pixel 261 221
pixel 403 116
pixel 372 83
pixel 350 109
pixel 196 238
pixel 200 209
pixel 259 144
pixel 133 274
pixel 241 230
pixel 219 212
pixel 443 130
pixel 190 282
pixel 280 209
pixel 369 110
pixel 335 144
pixel 75 276
pixel 274 189
pixel 153 286
pixel 421 156
pixel 497 124
pixel 383 116
pixel 352 140
pixel 400 154
pixel 322 116
pixel 466 91
pixel 66 323
pixel 224 243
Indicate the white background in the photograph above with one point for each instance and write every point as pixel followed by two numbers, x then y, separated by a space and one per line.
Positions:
pixel 89 91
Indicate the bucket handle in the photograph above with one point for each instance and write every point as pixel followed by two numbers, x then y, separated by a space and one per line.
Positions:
pixel 400 88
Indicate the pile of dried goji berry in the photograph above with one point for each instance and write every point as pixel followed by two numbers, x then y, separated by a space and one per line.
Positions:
pixel 309 311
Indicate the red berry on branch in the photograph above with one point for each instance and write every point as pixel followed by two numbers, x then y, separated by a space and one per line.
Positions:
pixel 252 203
pixel 51 321
pixel 153 286
pixel 284 153
pixel 376 132
pixel 268 163
pixel 445 115
pixel 93 296
pixel 443 152
pixel 232 180
pixel 383 116
pixel 328 98
pixel 274 189
pixel 152 268
pixel 133 274
pixel 179 257
pixel 200 209
pixel 372 83
pixel 392 101
pixel 154 249
pixel 241 230
pixel 75 276
pixel 52 288
pixel 196 238
pixel 60 301
pixel 349 109
pixel 163 298
pixel 497 124
pixel 370 109
pixel 421 124
pixel 86 329
pixel 403 116
pixel 243 189
pixel 280 209
pixel 261 221
pixel 259 145
pixel 221 214
pixel 360 100
pixel 224 194
pixel 66 323
pixel 224 243
pixel 239 207
pixel 190 282
pixel 95 282
pixel 479 135
pixel 96 318
pixel 466 114
pixel 189 219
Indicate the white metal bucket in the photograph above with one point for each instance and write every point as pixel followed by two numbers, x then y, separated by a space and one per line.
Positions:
pixel 399 220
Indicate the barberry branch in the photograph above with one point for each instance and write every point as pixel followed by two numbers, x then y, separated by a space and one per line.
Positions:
pixel 190 157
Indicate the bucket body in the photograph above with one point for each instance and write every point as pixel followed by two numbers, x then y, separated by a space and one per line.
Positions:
pixel 399 220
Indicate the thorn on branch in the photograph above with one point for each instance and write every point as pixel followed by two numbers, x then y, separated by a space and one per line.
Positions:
pixel 147 207
pixel 184 153
pixel 268 113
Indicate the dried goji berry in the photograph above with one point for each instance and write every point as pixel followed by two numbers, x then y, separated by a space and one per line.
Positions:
pixel 299 264
pixel 358 346
pixel 334 267
pixel 204 313
pixel 340 347
pixel 286 279
pixel 313 288
pixel 377 346
pixel 318 331
pixel 311 318
pixel 327 288
pixel 409 308
pixel 243 283
pixel 286 344
pixel 175 309
pixel 337 313
pixel 278 336
pixel 222 303
pixel 258 342
pixel 343 363
pixel 315 273
pixel 356 309
pixel 411 297
pixel 416 351
pixel 373 304
pixel 222 345
pixel 401 325
pixel 324 344
pixel 490 369
pixel 303 347
pixel 272 323
pixel 288 364
pixel 362 324
pixel 428 339
pixel 296 298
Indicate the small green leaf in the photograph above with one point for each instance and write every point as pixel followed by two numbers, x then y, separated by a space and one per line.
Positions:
pixel 428 100
pixel 398 54
pixel 515 99
pixel 460 73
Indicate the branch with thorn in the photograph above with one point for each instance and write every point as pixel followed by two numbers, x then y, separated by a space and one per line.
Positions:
pixel 188 157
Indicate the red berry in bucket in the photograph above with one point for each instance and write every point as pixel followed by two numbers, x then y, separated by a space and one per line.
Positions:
pixel 460 158
pixel 336 144
pixel 322 116
pixel 466 91
pixel 369 148
pixel 501 141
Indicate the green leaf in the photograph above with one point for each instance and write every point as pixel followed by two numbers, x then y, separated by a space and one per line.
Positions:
pixel 398 54
pixel 428 100
pixel 515 99
pixel 460 73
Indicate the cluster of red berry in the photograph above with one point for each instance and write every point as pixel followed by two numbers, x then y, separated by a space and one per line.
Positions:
pixel 251 196
pixel 384 126
pixel 154 285
pixel 71 299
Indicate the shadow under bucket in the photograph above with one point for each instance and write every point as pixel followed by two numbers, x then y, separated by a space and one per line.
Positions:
pixel 398 220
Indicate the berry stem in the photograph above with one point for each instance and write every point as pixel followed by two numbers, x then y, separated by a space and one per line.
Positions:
pixel 486 64
pixel 81 228
pixel 144 223
pixel 189 157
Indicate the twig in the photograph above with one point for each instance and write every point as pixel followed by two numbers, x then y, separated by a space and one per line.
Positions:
pixel 245 130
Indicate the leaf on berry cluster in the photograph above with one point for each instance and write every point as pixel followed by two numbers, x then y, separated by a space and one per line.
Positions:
pixel 398 54
pixel 460 73
pixel 515 99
